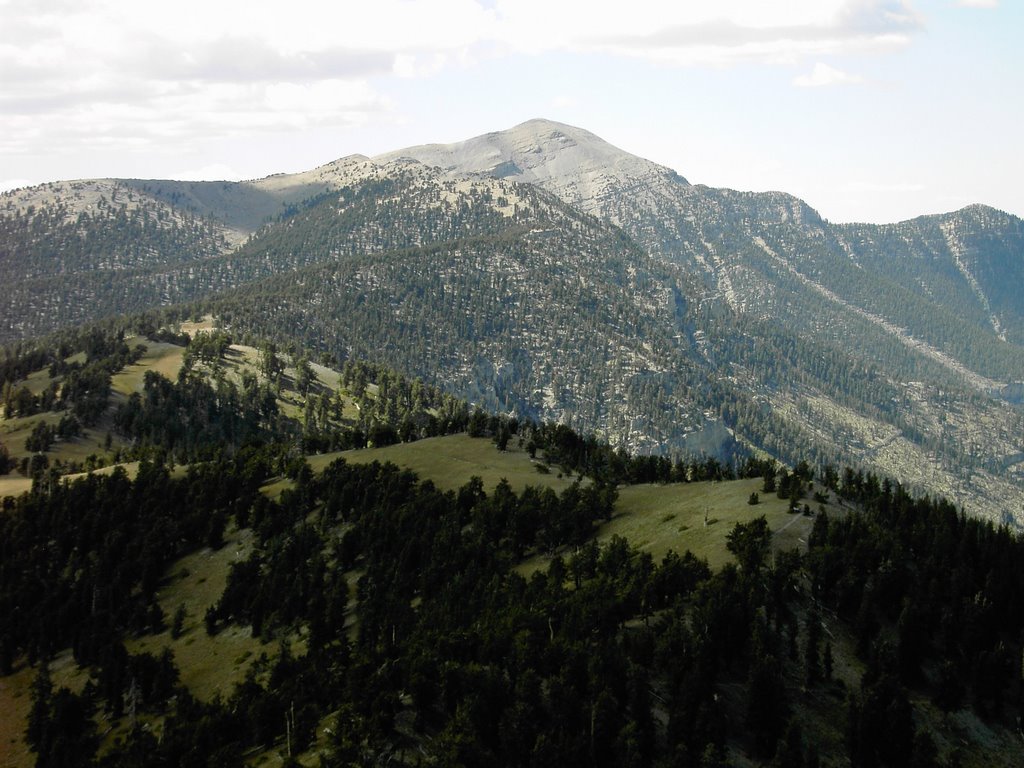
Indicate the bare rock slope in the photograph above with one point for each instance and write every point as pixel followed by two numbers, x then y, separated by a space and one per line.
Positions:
pixel 574 164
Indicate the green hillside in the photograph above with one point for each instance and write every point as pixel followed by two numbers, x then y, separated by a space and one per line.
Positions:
pixel 222 590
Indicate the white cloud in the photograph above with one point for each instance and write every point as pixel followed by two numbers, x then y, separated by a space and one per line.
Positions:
pixel 724 32
pixel 893 187
pixel 8 184
pixel 77 75
pixel 563 102
pixel 978 3
pixel 104 71
pixel 214 171
pixel 823 75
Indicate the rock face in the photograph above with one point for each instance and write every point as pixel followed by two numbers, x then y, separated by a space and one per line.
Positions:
pixel 577 166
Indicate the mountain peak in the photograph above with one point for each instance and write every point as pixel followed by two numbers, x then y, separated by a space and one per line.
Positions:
pixel 571 162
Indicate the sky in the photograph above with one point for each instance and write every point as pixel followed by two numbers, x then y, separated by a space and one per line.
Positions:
pixel 870 110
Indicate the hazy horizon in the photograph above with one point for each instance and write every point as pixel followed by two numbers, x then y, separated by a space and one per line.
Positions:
pixel 869 110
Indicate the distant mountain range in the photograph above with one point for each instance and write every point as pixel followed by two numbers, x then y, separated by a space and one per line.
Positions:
pixel 542 270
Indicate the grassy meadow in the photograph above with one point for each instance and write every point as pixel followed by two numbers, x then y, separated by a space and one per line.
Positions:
pixel 161 357
pixel 693 516
pixel 449 462
pixel 654 518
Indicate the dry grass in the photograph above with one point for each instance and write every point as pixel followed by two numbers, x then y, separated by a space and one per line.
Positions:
pixel 14 485
pixel 659 518
pixel 161 357
pixel 654 518
pixel 452 460
pixel 78 449
pixel 209 664
pixel 131 468
pixel 37 382
pixel 449 462
pixel 15 703
pixel 14 707
pixel 206 324
pixel 14 432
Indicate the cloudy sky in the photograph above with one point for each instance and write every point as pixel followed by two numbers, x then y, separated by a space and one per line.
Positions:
pixel 871 110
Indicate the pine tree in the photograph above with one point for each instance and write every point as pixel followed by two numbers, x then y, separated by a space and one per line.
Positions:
pixel 812 659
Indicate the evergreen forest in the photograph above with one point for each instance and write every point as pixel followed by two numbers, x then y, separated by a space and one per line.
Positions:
pixel 396 624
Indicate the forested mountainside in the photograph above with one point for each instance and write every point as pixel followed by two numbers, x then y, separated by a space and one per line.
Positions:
pixel 520 304
pixel 74 251
pixel 559 317
pixel 938 281
pixel 970 260
pixel 708 317
pixel 921 306
pixel 228 600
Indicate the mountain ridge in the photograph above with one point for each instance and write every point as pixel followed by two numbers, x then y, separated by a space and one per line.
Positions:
pixel 714 324
pixel 714 332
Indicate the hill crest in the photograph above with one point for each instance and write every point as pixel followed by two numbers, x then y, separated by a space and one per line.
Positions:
pixel 573 163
